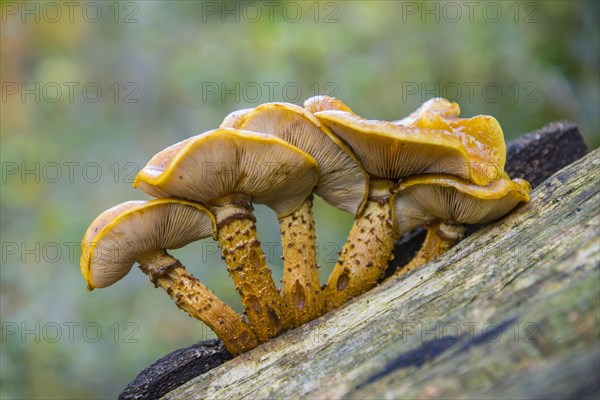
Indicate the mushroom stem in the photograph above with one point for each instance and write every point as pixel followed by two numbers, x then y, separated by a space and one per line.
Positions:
pixel 236 231
pixel 198 301
pixel 364 257
pixel 440 237
pixel 301 287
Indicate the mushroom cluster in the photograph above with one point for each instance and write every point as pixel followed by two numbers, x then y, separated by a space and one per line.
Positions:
pixel 431 169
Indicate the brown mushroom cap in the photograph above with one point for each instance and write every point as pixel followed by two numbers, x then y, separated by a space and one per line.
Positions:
pixel 121 234
pixel 423 199
pixel 222 162
pixel 342 181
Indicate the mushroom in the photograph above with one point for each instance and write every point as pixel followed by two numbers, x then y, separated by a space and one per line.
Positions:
pixel 142 231
pixel 390 152
pixel 227 170
pixel 445 203
pixel 342 182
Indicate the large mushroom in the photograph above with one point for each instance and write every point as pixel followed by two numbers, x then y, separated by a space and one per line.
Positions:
pixel 228 170
pixel 142 231
pixel 444 204
pixel 390 152
pixel 342 182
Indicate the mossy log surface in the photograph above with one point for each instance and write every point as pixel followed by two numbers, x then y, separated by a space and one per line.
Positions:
pixel 510 312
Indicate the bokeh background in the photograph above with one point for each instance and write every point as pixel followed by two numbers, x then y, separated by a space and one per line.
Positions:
pixel 91 90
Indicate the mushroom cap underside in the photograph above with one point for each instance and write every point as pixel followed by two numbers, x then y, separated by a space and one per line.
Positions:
pixel 121 234
pixel 223 162
pixel 481 137
pixel 342 182
pixel 423 199
pixel 392 152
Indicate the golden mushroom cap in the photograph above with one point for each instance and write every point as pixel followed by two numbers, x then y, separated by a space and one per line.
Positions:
pixel 431 140
pixel 224 161
pixel 342 182
pixel 481 135
pixel 420 200
pixel 118 236
pixel 393 152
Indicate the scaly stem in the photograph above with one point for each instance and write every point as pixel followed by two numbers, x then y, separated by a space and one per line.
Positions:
pixel 198 301
pixel 265 308
pixel 440 237
pixel 301 287
pixel 365 256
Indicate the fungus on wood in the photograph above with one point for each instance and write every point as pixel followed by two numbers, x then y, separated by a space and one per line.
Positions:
pixel 533 157
pixel 142 231
pixel 227 170
pixel 432 140
pixel 510 311
pixel 342 183
pixel 445 204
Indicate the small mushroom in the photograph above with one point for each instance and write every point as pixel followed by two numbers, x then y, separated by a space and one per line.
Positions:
pixel 142 231
pixel 342 182
pixel 444 204
pixel 390 152
pixel 227 170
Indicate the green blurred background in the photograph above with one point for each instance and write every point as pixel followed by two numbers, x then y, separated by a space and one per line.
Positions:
pixel 90 91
